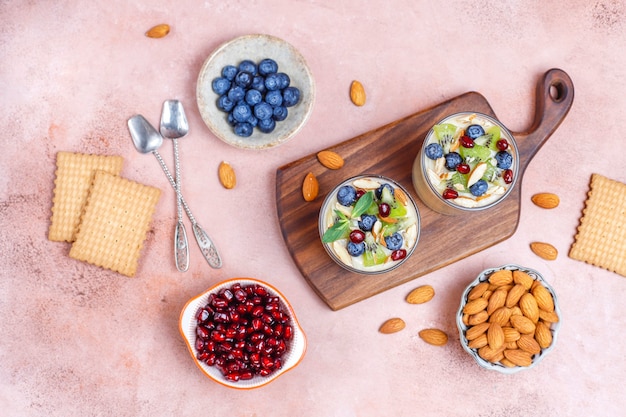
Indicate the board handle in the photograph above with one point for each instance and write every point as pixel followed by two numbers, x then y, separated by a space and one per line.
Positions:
pixel 554 98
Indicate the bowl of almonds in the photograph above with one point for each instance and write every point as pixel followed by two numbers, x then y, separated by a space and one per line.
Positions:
pixel 508 318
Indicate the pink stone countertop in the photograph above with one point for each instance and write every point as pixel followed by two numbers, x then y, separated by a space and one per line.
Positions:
pixel 78 340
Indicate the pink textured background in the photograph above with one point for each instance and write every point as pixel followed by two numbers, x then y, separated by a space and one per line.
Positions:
pixel 77 340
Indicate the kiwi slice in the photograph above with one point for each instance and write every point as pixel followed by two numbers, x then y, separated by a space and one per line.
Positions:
pixel 374 254
pixel 490 138
pixel 445 134
pixel 476 154
pixel 457 178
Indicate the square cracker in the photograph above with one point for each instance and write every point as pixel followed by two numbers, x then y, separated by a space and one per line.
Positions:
pixel 601 237
pixel 74 176
pixel 115 222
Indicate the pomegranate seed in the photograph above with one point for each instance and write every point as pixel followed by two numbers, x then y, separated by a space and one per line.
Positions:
pixel 463 168
pixel 202 332
pixel 398 254
pixel 199 345
pixel 272 307
pixel 360 193
pixel 507 176
pixel 288 332
pixel 217 336
pixel 220 317
pixel 257 323
pixel 240 295
pixel 219 303
pixel 267 362
pixel 357 236
pixel 257 337
pixel 450 194
pixel 202 315
pixel 257 311
pixel 245 375
pixel 466 141
pixel 232 376
pixel 384 210
pixel 502 145
pixel 209 346
pixel 259 290
pixel 210 360
pixel 226 294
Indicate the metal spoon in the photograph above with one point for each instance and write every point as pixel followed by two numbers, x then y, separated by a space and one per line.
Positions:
pixel 173 126
pixel 146 139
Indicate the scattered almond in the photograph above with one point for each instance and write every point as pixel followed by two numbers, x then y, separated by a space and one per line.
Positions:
pixel 421 295
pixel 546 200
pixel 226 175
pixel 330 159
pixel 434 337
pixel 544 250
pixel 357 93
pixel 310 187
pixel 392 326
pixel 158 31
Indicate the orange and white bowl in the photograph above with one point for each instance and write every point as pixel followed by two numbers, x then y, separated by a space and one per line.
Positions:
pixel 296 345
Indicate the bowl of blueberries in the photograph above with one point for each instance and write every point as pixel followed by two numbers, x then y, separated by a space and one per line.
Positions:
pixel 255 92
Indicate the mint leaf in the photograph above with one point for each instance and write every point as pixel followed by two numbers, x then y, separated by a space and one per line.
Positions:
pixel 362 204
pixel 336 231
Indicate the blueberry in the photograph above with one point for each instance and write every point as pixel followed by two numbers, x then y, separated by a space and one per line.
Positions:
pixel 225 104
pixel 280 113
pixel 236 94
pixel 346 195
pixel 479 188
pixel 263 111
pixel 394 242
pixel 356 249
pixel 220 85
pixel 274 98
pixel 434 151
pixel 253 97
pixel 379 190
pixel 452 160
pixel 268 66
pixel 230 119
pixel 291 96
pixel 272 82
pixel 367 222
pixel 283 80
pixel 474 131
pixel 229 72
pixel 243 129
pixel 253 121
pixel 243 79
pixel 504 159
pixel 242 112
pixel 258 83
pixel 266 125
pixel 248 66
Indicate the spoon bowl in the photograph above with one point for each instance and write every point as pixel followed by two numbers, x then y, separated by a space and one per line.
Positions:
pixel 145 137
pixel 174 124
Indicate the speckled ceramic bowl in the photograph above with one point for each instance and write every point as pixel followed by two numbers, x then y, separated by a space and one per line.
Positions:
pixel 499 367
pixel 255 48
pixel 294 353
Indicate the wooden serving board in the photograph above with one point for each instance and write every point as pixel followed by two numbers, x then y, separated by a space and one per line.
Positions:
pixel 390 151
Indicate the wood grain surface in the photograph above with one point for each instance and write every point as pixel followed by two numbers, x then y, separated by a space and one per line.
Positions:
pixel 390 151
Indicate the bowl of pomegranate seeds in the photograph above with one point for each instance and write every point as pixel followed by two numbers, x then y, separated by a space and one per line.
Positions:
pixel 242 333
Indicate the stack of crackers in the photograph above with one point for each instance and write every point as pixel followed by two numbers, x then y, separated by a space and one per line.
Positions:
pixel 104 216
pixel 601 237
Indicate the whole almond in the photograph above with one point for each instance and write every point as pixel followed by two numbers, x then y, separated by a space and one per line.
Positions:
pixel 544 298
pixel 521 277
pixel 514 295
pixel 518 357
pixel 477 291
pixel 357 93
pixel 523 324
pixel 546 200
pixel 497 300
pixel 495 336
pixel 529 307
pixel 479 342
pixel 528 343
pixel 158 31
pixel 543 335
pixel 421 295
pixel 475 331
pixel 434 337
pixel 544 250
pixel 480 317
pixel 310 187
pixel 226 175
pixel 501 277
pixel 392 326
pixel 489 354
pixel 548 316
pixel 330 159
pixel 475 306
pixel 501 316
pixel 510 334
pixel 507 363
